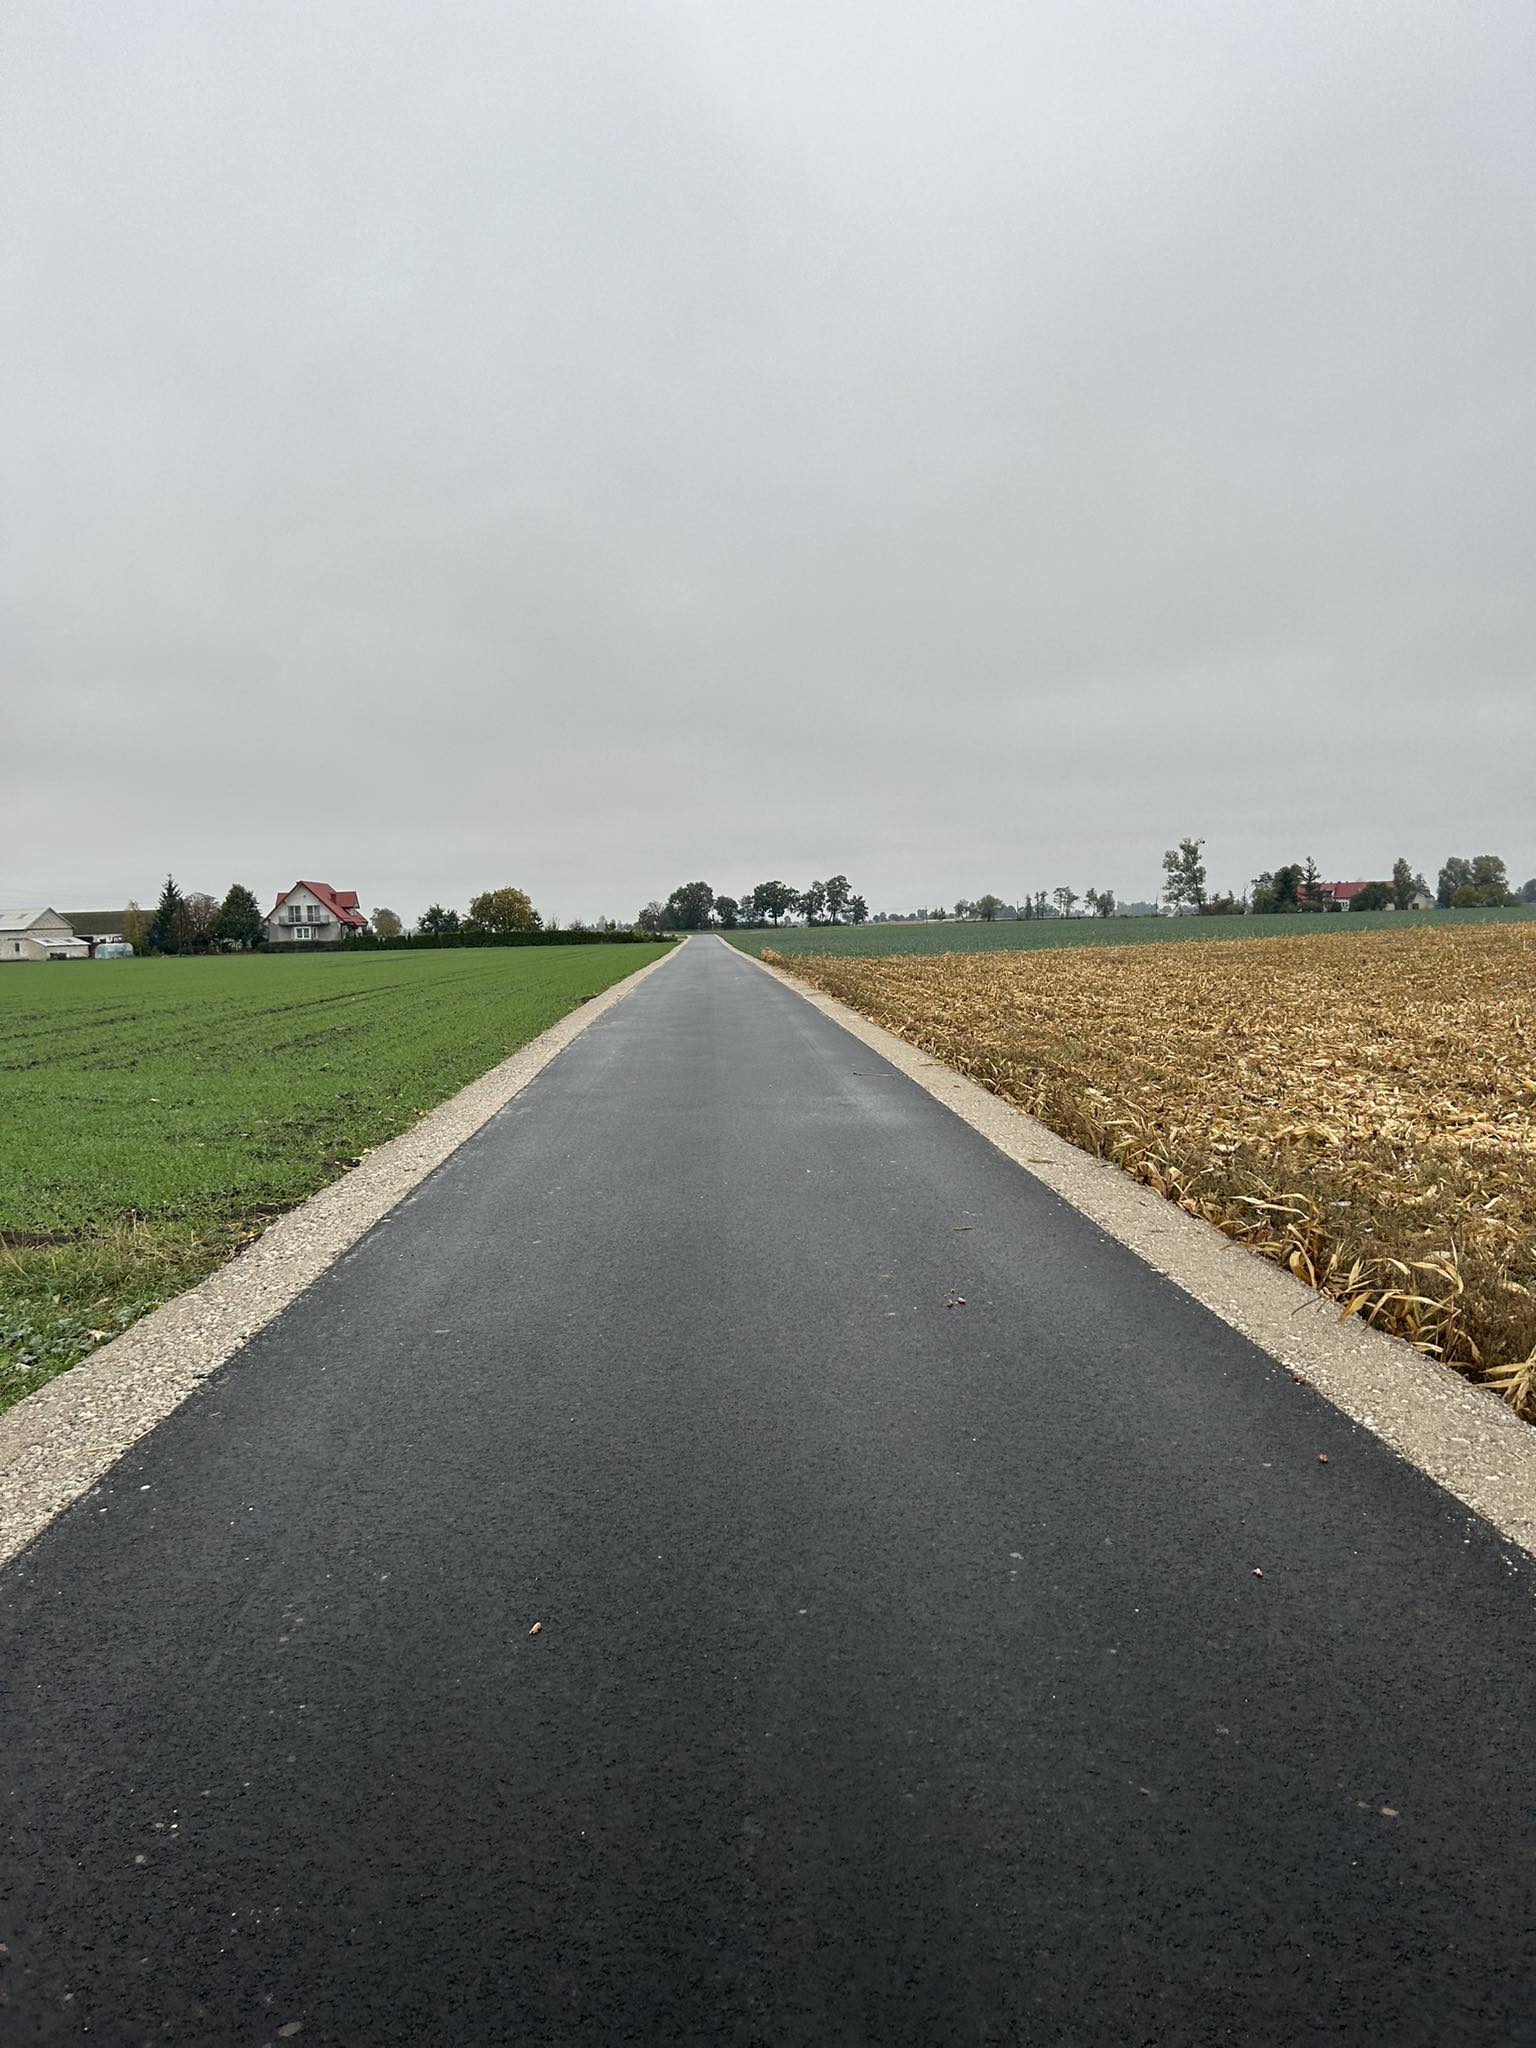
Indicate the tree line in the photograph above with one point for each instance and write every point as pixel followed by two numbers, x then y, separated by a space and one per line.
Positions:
pixel 695 907
pixel 1290 887
pixel 499 911
pixel 196 922
pixel 1481 882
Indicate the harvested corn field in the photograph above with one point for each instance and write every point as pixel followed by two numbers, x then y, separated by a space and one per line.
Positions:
pixel 1363 1110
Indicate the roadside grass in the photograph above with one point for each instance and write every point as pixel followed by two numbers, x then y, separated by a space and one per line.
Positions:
pixel 1363 1114
pixel 1032 934
pixel 155 1115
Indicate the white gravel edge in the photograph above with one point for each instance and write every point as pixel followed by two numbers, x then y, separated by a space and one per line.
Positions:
pixel 58 1442
pixel 1465 1438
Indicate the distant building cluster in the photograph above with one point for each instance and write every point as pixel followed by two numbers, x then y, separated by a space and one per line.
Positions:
pixel 36 933
pixel 309 914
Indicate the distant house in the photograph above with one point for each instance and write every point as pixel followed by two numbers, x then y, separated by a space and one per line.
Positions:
pixel 39 935
pixel 313 913
pixel 1344 894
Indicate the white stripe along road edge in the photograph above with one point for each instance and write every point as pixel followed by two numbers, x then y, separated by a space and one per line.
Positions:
pixel 1466 1439
pixel 57 1443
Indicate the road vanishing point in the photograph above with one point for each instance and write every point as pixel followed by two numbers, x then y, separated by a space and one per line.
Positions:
pixel 732 1559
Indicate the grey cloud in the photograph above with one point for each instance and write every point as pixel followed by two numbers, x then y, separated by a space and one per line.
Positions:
pixel 966 446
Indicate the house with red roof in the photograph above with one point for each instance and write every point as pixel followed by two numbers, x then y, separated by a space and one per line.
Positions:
pixel 1344 894
pixel 313 914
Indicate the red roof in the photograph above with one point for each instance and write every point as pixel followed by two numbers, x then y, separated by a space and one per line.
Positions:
pixel 1342 892
pixel 341 903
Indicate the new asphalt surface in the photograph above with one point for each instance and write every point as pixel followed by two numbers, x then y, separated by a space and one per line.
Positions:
pixel 904 1673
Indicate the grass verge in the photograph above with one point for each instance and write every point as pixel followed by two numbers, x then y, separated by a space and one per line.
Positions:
pixel 155 1115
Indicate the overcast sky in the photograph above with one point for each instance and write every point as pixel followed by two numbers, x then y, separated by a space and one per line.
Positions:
pixel 966 445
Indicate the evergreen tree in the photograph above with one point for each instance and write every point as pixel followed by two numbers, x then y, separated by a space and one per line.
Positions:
pixel 163 926
pixel 239 922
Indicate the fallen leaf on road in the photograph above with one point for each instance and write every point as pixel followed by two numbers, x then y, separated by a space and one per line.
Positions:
pixel 1257 1573
pixel 1322 1457
pixel 536 1627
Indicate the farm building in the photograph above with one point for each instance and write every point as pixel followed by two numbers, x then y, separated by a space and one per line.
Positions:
pixel 313 913
pixel 96 927
pixel 1344 894
pixel 39 935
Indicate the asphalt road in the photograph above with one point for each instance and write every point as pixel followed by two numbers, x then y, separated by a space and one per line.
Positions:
pixel 904 1675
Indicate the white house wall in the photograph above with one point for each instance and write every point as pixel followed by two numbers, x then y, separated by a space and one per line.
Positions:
pixel 281 933
pixel 39 938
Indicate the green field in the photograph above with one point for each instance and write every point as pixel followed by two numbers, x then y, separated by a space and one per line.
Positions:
pixel 951 937
pixel 155 1114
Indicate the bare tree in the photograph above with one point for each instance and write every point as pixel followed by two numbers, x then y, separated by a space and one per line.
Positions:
pixel 194 923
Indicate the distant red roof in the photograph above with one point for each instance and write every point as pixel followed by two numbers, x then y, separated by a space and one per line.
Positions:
pixel 341 903
pixel 1342 892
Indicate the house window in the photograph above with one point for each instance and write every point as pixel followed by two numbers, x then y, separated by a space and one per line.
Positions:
pixel 303 932
pixel 295 913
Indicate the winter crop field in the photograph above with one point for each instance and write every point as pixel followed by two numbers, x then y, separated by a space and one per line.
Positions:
pixel 1364 1112
pixel 155 1114
pixel 1030 934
